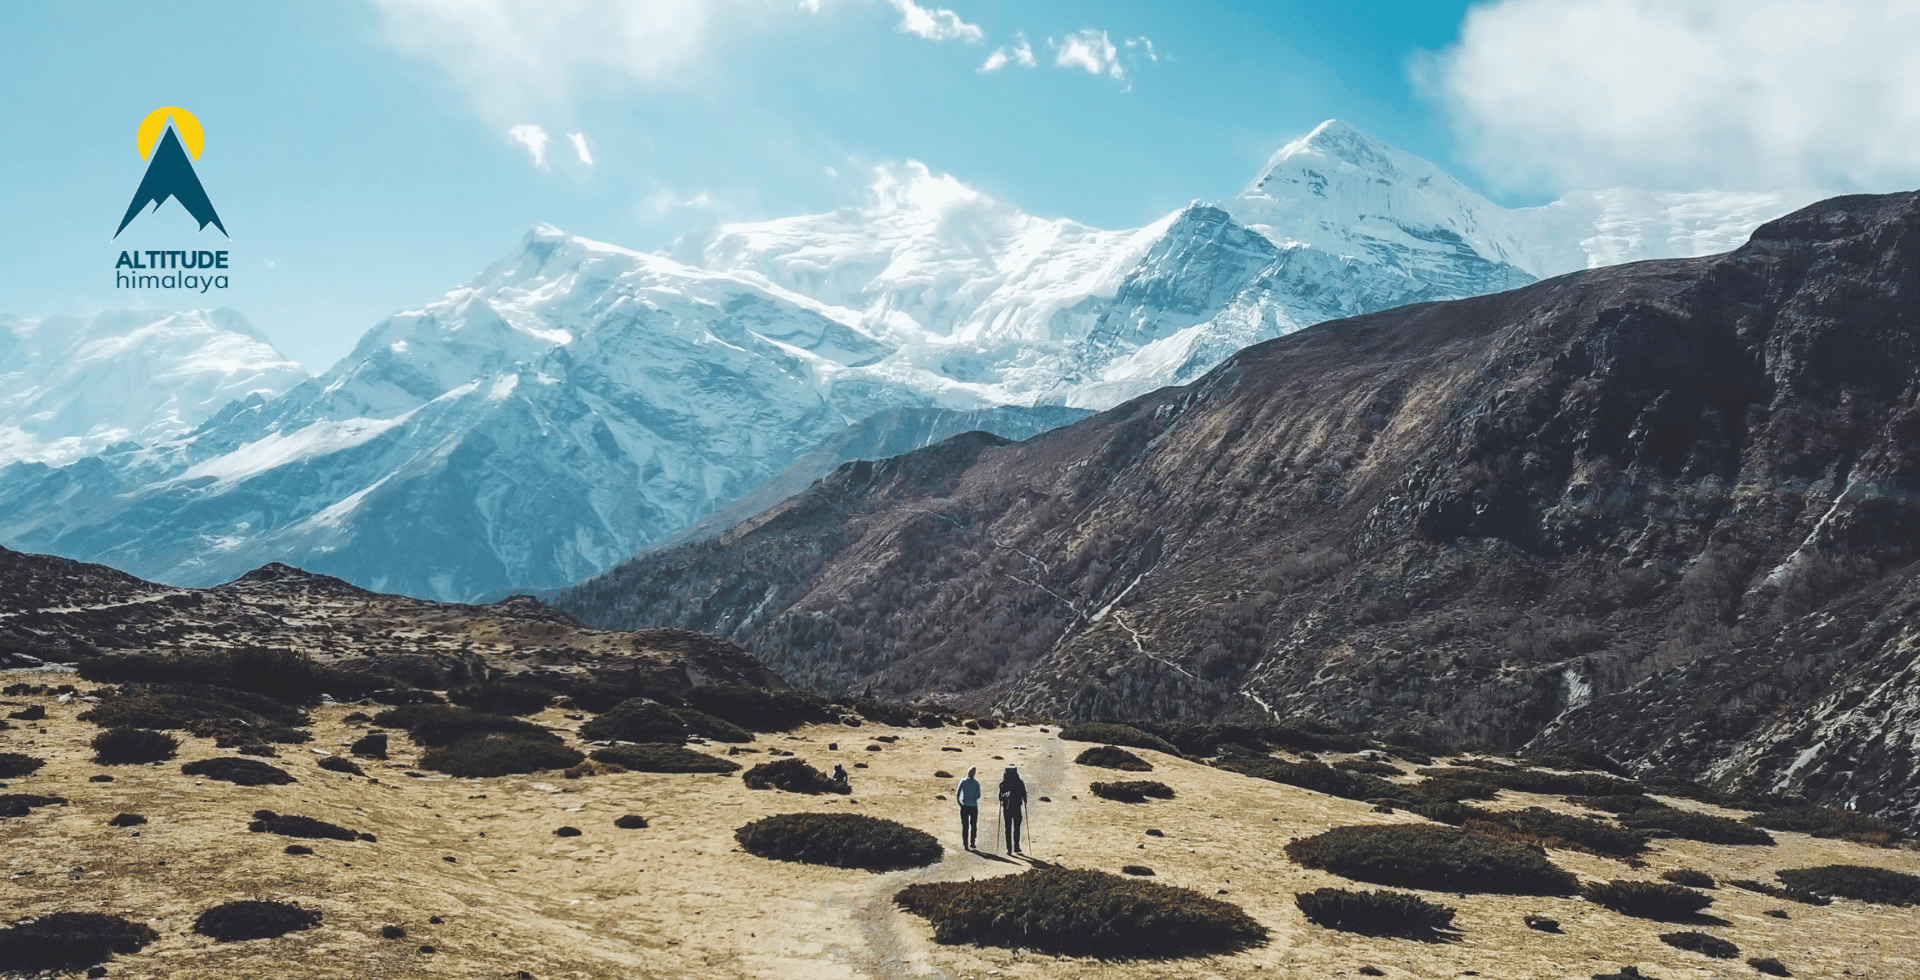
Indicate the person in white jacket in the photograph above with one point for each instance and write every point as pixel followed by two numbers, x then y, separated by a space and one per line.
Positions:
pixel 967 794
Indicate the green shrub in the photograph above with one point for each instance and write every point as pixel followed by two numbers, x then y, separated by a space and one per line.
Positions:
pixel 253 919
pixel 19 804
pixel 178 705
pixel 231 732
pixel 1689 825
pixel 792 775
pixel 1660 900
pixel 1368 766
pixel 281 675
pixel 1433 858
pixel 1700 942
pixel 1132 791
pixel 840 840
pixel 292 825
pixel 1772 890
pixel 439 724
pixel 758 709
pixel 1880 886
pixel 1110 734
pixel 1626 973
pixel 1828 822
pixel 500 754
pixel 336 763
pixel 131 746
pixel 503 697
pixel 1577 760
pixel 637 720
pixel 13 765
pixel 1769 966
pixel 1449 811
pixel 1374 913
pixel 70 941
pixel 1537 781
pixel 1453 789
pixel 1113 757
pixel 1550 829
pixel 708 726
pixel 1689 877
pixel 1082 913
pixel 662 758
pixel 1316 776
pixel 1629 803
pixel 240 772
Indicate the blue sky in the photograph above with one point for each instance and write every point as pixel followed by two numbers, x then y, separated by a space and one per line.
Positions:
pixel 361 152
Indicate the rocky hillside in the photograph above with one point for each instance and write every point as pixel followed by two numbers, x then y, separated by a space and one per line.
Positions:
pixel 1664 509
pixel 60 611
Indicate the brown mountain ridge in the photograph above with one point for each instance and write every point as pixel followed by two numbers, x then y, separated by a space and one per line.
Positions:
pixel 1665 510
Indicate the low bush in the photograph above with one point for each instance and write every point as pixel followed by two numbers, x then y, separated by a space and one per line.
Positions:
pixel 127 820
pixel 792 775
pixel 1578 760
pixel 175 706
pixel 1453 789
pixel 337 763
pixel 631 821
pixel 20 804
pixel 1667 821
pixel 1433 858
pixel 840 840
pixel 1769 966
pixel 1628 803
pixel 1829 822
pixel 1659 900
pixel 439 724
pixel 292 825
pixel 1368 766
pixel 1140 870
pixel 500 754
pixel 1700 942
pixel 70 941
pixel 1110 734
pixel 1689 877
pixel 662 758
pixel 1626 973
pixel 637 720
pixel 1113 757
pixel 1374 913
pixel 240 772
pixel 1449 811
pixel 1133 791
pixel 1880 886
pixel 281 675
pixel 758 709
pixel 32 712
pixel 1772 890
pixel 503 697
pixel 13 765
pixel 372 746
pixel 254 919
pixel 1316 776
pixel 1082 913
pixel 230 732
pixel 132 746
pixel 1538 781
pixel 708 726
pixel 1550 829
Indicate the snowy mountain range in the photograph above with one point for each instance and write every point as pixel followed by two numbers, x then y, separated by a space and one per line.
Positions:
pixel 578 401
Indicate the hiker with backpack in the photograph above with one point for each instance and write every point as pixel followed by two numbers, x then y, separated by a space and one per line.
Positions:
pixel 1013 806
pixel 967 794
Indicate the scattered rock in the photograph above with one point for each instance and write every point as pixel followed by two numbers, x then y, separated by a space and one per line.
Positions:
pixel 370 746
pixel 428 949
pixel 1776 913
pixel 631 821
pixel 1137 869
pixel 240 772
pixel 254 919
pixel 873 748
pixel 1542 923
pixel 436 920
pixel 100 778
pixel 1155 832
pixel 127 820
pixel 942 774
pixel 392 932
pixel 298 849
pixel 567 832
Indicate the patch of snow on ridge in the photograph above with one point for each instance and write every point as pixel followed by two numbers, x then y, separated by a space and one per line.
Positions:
pixel 316 439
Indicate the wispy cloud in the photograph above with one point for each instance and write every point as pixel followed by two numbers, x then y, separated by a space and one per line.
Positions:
pixel 534 139
pixel 1015 52
pixel 579 141
pixel 1089 49
pixel 1561 94
pixel 935 24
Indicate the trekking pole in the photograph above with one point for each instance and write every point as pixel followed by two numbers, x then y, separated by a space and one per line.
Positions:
pixel 1029 822
pixel 999 818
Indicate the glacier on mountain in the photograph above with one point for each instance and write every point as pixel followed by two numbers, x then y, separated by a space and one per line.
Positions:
pixel 578 401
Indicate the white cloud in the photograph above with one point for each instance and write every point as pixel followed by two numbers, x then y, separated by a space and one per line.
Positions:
pixel 579 141
pixel 1089 49
pixel 933 24
pixel 1018 52
pixel 534 139
pixel 518 56
pixel 1782 94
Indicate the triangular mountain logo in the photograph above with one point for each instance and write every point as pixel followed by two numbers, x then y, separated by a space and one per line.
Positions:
pixel 170 168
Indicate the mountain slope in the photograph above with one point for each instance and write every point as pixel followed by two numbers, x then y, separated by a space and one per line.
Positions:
pixel 71 387
pixel 1542 511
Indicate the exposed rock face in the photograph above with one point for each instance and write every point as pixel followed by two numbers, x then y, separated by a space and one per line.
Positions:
pixel 1666 509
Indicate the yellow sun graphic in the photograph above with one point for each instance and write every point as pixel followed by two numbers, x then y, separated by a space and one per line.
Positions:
pixel 184 123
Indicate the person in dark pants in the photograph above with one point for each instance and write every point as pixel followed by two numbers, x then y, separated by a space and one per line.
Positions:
pixel 967 794
pixel 1013 806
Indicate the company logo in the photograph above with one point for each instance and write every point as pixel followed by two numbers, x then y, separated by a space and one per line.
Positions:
pixel 170 139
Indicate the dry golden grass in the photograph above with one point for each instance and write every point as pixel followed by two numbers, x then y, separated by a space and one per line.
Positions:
pixel 677 898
